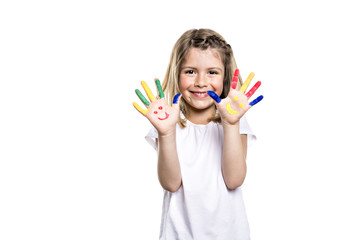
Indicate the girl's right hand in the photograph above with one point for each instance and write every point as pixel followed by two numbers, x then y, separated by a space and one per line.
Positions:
pixel 161 115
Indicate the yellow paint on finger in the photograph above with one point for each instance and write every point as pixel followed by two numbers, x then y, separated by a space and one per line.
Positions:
pixel 144 112
pixel 230 110
pixel 236 98
pixel 241 105
pixel 247 82
pixel 147 90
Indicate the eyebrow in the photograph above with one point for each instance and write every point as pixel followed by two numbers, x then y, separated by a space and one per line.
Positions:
pixel 220 69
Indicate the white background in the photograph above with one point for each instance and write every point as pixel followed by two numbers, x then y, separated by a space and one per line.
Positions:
pixel 73 160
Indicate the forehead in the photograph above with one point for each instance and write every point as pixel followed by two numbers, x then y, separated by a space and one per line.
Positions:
pixel 199 58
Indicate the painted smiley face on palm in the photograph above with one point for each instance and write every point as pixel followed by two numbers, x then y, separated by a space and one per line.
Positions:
pixel 166 114
pixel 232 111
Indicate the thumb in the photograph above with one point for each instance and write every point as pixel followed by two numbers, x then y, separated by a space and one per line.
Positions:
pixel 176 98
pixel 214 96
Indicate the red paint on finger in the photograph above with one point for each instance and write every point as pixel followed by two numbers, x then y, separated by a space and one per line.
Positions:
pixel 253 89
pixel 235 79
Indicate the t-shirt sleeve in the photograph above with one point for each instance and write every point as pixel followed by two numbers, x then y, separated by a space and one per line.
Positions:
pixel 245 129
pixel 151 137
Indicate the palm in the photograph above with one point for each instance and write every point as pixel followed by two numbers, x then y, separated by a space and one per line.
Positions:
pixel 233 107
pixel 162 116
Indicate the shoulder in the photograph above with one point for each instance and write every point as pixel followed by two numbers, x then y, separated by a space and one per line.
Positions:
pixel 151 137
pixel 246 129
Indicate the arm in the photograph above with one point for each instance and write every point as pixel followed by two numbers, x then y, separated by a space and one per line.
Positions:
pixel 164 118
pixel 168 163
pixel 231 109
pixel 234 156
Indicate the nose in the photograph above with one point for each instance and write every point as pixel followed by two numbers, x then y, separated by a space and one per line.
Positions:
pixel 201 81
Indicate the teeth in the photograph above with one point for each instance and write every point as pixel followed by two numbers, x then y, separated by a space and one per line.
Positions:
pixel 200 94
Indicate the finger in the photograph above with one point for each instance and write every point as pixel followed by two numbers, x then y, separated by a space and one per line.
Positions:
pixel 148 91
pixel 176 98
pixel 158 85
pixel 247 82
pixel 235 79
pixel 214 96
pixel 258 99
pixel 253 89
pixel 142 98
pixel 142 111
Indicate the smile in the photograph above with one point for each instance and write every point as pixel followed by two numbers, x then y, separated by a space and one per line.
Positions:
pixel 199 94
pixel 166 116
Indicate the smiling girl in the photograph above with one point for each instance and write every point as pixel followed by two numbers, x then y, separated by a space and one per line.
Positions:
pixel 201 139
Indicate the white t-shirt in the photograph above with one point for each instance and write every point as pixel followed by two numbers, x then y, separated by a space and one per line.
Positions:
pixel 203 208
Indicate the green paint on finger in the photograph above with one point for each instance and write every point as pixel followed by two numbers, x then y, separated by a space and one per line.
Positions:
pixel 158 85
pixel 142 98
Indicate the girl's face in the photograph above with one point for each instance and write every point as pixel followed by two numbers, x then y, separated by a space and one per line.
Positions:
pixel 202 71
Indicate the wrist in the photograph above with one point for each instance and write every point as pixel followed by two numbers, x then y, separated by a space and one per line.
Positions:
pixel 230 125
pixel 167 134
pixel 231 128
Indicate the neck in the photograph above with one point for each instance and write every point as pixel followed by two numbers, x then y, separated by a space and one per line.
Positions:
pixel 200 116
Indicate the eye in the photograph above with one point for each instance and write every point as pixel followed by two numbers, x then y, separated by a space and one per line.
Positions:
pixel 155 112
pixel 212 72
pixel 189 72
pixel 160 108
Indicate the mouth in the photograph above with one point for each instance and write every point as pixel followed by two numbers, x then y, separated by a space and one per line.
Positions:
pixel 166 116
pixel 199 94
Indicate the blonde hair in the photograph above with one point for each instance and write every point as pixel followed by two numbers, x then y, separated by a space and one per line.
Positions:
pixel 203 39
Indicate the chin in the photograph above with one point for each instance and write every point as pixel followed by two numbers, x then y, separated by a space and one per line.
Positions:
pixel 201 106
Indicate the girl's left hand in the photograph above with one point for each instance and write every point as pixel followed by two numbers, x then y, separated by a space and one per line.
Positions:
pixel 236 104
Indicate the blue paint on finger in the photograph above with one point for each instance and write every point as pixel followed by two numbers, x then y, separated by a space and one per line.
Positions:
pixel 255 101
pixel 214 96
pixel 176 98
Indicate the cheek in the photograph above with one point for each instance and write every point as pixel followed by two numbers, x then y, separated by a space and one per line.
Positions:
pixel 217 84
pixel 185 83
